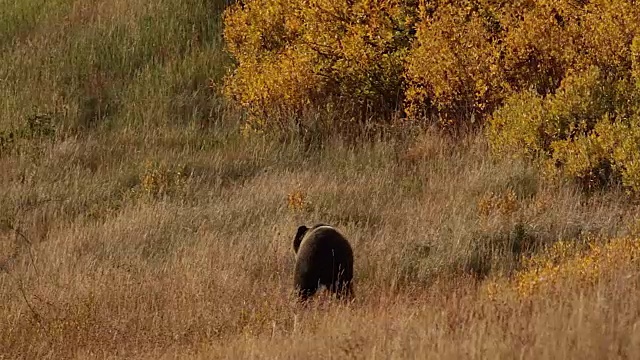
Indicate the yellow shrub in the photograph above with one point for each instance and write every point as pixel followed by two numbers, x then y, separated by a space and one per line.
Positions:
pixel 297 201
pixel 469 56
pixel 626 152
pixel 452 61
pixel 158 179
pixel 567 264
pixel 453 67
pixel 586 130
pixel 516 129
pixel 581 60
pixel 635 60
pixel 564 263
pixel 299 54
pixel 608 29
pixel 539 43
pixel 505 203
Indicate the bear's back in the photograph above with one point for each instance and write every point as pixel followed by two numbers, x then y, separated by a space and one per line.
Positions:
pixel 324 241
pixel 325 250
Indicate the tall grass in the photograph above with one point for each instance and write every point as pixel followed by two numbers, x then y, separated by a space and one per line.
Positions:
pixel 137 221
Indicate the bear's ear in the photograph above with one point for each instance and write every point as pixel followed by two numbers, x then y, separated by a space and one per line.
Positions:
pixel 298 239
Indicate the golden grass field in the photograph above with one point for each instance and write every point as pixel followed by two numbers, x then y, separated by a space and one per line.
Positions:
pixel 136 221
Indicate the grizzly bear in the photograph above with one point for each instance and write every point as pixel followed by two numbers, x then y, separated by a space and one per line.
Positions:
pixel 323 257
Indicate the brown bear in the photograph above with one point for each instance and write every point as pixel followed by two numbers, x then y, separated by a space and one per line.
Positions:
pixel 323 257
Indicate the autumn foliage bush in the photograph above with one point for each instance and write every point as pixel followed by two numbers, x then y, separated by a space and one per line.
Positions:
pixel 301 55
pixel 586 127
pixel 567 263
pixel 587 130
pixel 453 67
pixel 558 80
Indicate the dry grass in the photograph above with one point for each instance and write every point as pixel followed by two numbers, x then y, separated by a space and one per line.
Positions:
pixel 160 232
pixel 203 269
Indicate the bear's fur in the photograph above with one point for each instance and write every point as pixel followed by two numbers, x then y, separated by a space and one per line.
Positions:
pixel 323 257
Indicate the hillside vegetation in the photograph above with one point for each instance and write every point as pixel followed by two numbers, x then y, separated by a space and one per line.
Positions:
pixel 480 156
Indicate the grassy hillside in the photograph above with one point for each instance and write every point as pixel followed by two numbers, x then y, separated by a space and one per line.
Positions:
pixel 137 220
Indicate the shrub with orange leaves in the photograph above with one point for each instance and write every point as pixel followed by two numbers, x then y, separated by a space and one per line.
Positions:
pixel 453 69
pixel 589 130
pixel 303 55
pixel 565 263
pixel 297 201
pixel 581 121
pixel 451 61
